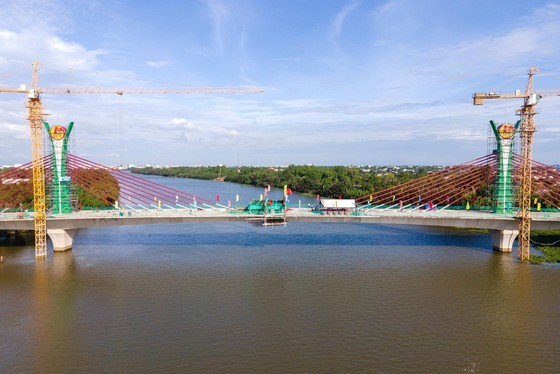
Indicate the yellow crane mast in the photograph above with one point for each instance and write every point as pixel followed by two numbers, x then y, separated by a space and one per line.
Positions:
pixel 527 113
pixel 36 117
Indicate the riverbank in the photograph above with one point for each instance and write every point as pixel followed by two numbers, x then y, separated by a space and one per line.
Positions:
pixel 16 237
pixel 548 242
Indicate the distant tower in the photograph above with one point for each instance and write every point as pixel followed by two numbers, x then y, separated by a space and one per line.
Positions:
pixel 503 188
pixel 61 192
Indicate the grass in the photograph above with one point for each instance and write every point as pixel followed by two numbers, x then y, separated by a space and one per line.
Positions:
pixel 551 253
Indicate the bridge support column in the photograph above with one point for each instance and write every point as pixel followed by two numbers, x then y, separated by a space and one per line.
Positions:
pixel 61 238
pixel 502 240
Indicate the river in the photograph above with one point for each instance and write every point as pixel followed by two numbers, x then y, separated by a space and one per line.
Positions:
pixel 308 297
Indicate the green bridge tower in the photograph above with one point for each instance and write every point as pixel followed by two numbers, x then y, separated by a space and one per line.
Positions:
pixel 503 188
pixel 61 193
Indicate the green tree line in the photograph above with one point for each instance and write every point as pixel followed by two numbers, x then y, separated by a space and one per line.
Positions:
pixel 327 181
pixel 95 188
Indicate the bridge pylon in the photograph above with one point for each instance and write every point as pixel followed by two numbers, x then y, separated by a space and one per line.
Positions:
pixel 502 201
pixel 61 202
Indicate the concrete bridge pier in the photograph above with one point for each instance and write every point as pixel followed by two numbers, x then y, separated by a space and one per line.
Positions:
pixel 61 238
pixel 502 240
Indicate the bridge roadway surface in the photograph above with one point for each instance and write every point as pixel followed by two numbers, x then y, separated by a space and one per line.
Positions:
pixel 446 218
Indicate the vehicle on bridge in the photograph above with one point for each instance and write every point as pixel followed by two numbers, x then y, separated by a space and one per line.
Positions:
pixel 337 206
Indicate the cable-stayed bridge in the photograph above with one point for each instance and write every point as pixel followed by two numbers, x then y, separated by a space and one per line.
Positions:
pixel 450 197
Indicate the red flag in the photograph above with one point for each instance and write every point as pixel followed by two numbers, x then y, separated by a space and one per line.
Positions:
pixel 288 191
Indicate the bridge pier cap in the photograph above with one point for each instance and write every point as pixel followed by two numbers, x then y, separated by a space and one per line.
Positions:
pixel 502 240
pixel 61 238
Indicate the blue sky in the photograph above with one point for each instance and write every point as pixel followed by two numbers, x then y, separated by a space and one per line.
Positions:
pixel 346 82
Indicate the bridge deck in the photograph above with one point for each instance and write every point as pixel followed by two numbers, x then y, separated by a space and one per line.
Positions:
pixel 463 219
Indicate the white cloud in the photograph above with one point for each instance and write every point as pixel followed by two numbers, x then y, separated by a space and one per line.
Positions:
pixel 389 6
pixel 341 18
pixel 548 13
pixel 179 123
pixel 41 30
pixel 181 128
pixel 14 131
pixel 7 35
pixel 49 48
pixel 158 64
pixel 219 14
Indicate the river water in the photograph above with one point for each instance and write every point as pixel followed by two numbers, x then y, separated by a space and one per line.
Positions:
pixel 309 297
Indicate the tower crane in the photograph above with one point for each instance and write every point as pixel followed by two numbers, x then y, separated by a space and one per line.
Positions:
pixel 527 113
pixel 36 117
